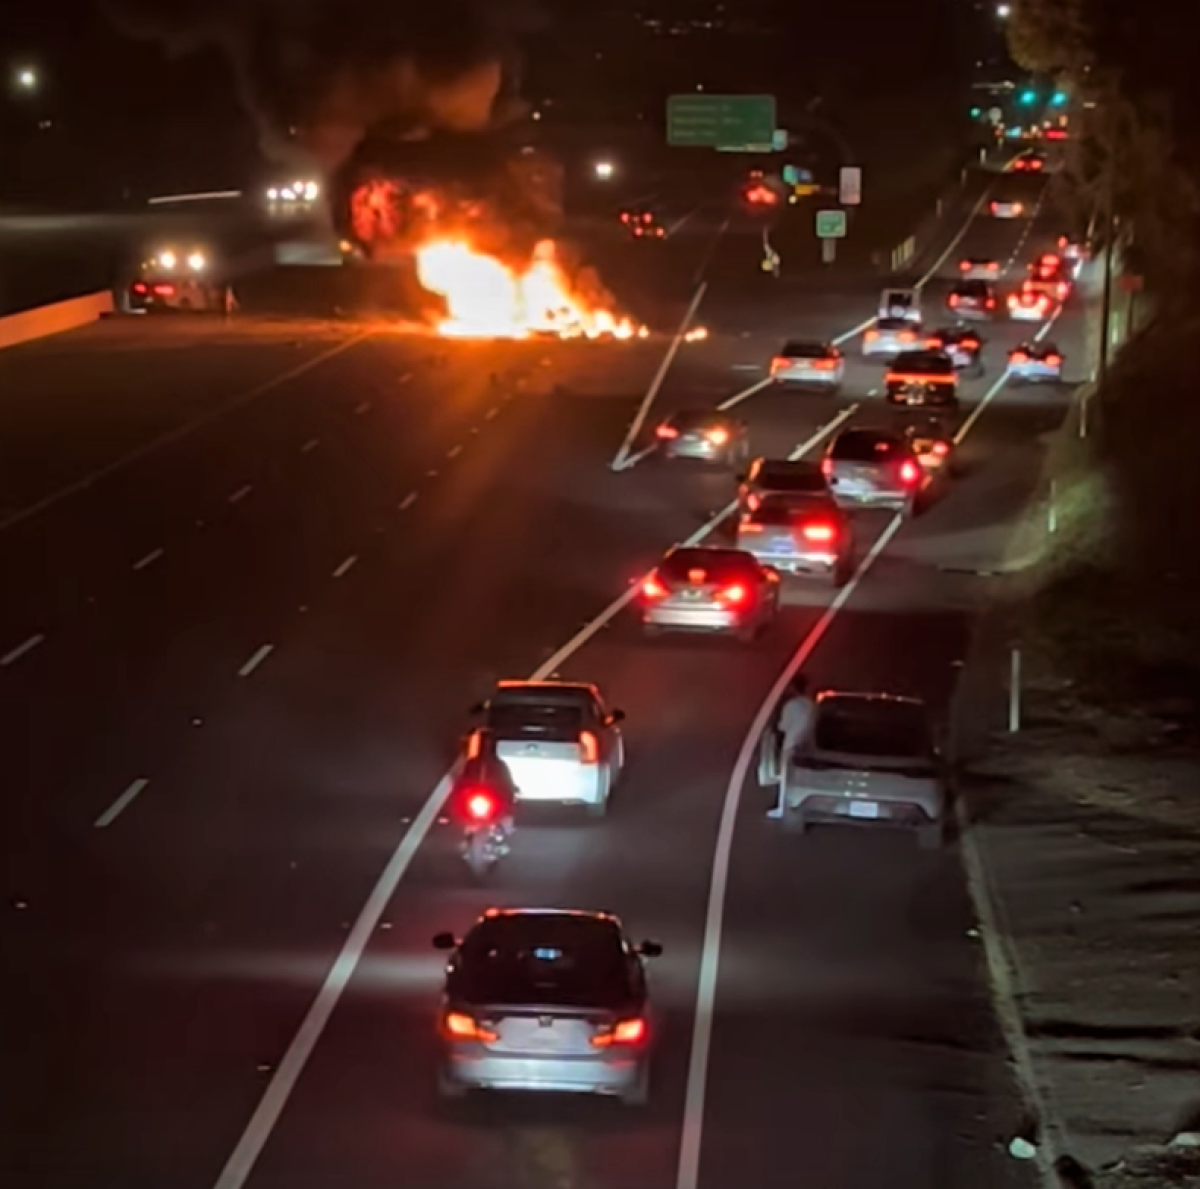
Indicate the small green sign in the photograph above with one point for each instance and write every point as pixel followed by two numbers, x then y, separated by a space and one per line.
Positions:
pixel 721 121
pixel 831 224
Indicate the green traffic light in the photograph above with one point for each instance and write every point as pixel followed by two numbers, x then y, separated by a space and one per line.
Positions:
pixel 1028 97
pixel 1060 97
pixel 976 112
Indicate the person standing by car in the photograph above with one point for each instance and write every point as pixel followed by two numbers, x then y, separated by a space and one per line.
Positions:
pixel 793 717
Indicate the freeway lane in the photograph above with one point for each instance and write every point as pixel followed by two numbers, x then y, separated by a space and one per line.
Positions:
pixel 363 1113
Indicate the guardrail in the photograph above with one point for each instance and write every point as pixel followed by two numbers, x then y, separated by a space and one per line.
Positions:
pixel 62 316
pixel 203 196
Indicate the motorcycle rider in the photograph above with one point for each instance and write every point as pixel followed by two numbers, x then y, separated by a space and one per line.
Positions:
pixel 483 771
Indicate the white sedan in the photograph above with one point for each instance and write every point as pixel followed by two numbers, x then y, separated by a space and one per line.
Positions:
pixel 1028 305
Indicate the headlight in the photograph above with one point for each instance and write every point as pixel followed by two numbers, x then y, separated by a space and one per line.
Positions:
pixel 272 194
pixel 289 193
pixel 311 190
pixel 167 260
pixel 196 261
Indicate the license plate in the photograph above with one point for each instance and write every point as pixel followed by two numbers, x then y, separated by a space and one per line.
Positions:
pixel 864 809
pixel 693 595
pixel 780 547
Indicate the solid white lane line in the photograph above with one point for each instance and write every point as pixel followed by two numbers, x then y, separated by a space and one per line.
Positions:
pixel 256 660
pixel 149 559
pixel 363 408
pixel 692 1132
pixel 408 501
pixel 283 1081
pixel 745 394
pixel 241 494
pixel 932 271
pixel 15 654
pixel 119 806
pixel 346 566
pixel 635 426
pixel 454 452
pixel 177 434
pixel 310 445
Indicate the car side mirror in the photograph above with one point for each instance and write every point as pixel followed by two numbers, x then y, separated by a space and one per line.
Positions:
pixel 615 717
pixel 444 941
pixel 650 949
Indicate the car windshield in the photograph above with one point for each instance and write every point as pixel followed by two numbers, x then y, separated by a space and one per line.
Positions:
pixel 718 566
pixel 514 717
pixel 798 350
pixel 925 363
pixel 790 477
pixel 543 961
pixel 861 445
pixel 872 727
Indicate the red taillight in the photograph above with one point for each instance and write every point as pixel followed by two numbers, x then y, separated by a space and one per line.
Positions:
pixel 481 805
pixel 965 266
pixel 734 595
pixel 1019 357
pixel 624 1032
pixel 459 1026
pixel 164 290
pixel 942 448
pixel 753 503
pixel 748 526
pixel 780 363
pixel 907 336
pixel 872 334
pixel 139 287
pixel 819 532
pixel 909 472
pixel 954 299
pixel 589 748
pixel 1054 360
pixel 667 431
pixel 652 588
pixel 991 301
pixel 825 365
pixel 827 467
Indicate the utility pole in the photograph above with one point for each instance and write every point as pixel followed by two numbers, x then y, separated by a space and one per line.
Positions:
pixel 1110 233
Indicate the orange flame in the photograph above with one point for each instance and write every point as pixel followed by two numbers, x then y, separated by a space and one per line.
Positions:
pixel 485 298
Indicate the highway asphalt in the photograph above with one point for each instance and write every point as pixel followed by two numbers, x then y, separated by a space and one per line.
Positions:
pixel 234 669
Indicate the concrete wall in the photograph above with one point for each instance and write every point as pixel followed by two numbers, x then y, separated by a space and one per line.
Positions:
pixel 54 319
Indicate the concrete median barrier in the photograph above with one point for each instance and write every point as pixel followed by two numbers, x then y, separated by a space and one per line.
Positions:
pixel 62 316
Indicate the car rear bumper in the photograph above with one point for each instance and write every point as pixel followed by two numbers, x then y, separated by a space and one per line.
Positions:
pixel 822 808
pixel 927 399
pixel 872 499
pixel 1035 375
pixel 556 782
pixel 693 619
pixel 696 451
pixel 817 564
pixel 807 379
pixel 583 1074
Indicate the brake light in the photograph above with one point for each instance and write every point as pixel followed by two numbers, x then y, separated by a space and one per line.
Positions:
pixel 965 266
pixel 459 1026
pixel 872 334
pixel 667 431
pixel 907 336
pixel 1054 360
pixel 991 301
pixel 780 363
pixel 942 448
pixel 753 503
pixel 624 1032
pixel 481 805
pixel 954 299
pixel 824 365
pixel 652 588
pixel 827 467
pixel 139 287
pixel 909 472
pixel 819 532
pixel 164 290
pixel 1019 357
pixel 589 748
pixel 748 526
pixel 734 595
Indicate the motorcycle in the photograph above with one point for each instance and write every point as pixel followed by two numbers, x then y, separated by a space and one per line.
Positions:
pixel 486 834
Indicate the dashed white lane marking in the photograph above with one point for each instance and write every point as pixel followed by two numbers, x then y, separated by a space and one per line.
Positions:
pixel 364 407
pixel 256 660
pixel 431 474
pixel 404 379
pixel 149 559
pixel 454 452
pixel 283 1082
pixel 178 434
pixel 11 657
pixel 241 494
pixel 346 566
pixel 408 501
pixel 491 413
pixel 122 803
pixel 310 445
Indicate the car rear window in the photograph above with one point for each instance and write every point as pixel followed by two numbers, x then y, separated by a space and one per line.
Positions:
pixel 694 419
pixel 543 961
pixel 798 350
pixel 783 476
pixel 861 445
pixel 927 363
pixel 972 288
pixel 862 727
pixel 552 721
pixel 717 565
pixel 893 324
pixel 774 512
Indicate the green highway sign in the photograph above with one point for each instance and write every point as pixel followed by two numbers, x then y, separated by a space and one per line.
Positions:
pixel 729 122
pixel 831 224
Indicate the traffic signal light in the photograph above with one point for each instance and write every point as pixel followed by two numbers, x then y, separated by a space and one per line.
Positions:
pixel 1060 97
pixel 976 112
pixel 1028 97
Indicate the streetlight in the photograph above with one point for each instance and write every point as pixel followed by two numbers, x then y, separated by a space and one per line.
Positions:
pixel 604 170
pixel 27 78
pixel 1003 11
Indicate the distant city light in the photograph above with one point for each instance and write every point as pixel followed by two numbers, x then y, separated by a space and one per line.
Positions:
pixel 27 78
pixel 1003 10
pixel 604 170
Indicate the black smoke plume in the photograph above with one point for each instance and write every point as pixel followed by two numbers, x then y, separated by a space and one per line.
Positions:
pixel 417 93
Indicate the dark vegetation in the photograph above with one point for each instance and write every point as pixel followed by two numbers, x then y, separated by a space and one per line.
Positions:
pixel 1118 604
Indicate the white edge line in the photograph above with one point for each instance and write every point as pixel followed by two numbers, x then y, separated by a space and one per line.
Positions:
pixel 635 427
pixel 692 1131
pixel 283 1081
pixel 256 660
pixel 149 559
pixel 15 654
pixel 122 803
pixel 408 501
pixel 346 566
